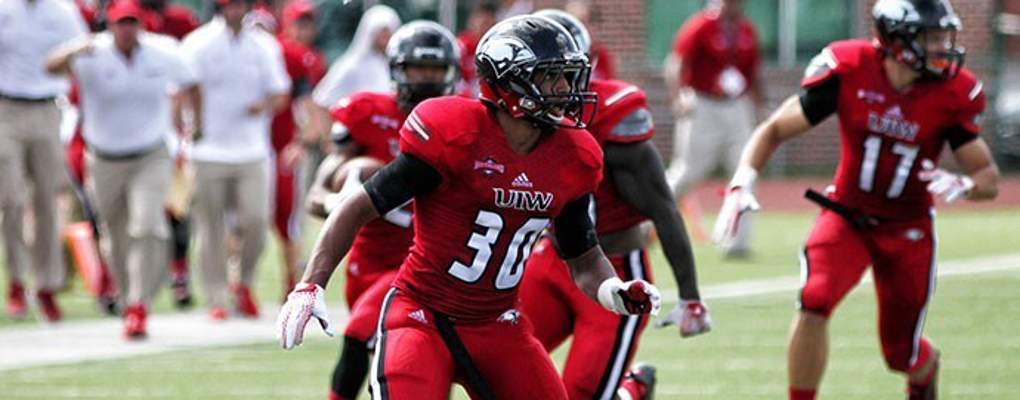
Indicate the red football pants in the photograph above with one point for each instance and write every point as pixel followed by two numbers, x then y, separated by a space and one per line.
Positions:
pixel 412 361
pixel 286 201
pixel 902 256
pixel 366 306
pixel 604 342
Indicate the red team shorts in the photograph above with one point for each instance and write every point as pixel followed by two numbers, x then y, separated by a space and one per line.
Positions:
pixel 604 342
pixel 902 256
pixel 412 361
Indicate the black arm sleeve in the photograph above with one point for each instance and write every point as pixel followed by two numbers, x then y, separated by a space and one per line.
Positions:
pixel 575 231
pixel 957 136
pixel 404 178
pixel 819 101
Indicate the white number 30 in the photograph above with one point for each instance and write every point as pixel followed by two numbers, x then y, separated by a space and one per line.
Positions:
pixel 511 270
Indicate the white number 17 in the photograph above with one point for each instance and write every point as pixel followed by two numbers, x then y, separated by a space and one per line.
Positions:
pixel 872 148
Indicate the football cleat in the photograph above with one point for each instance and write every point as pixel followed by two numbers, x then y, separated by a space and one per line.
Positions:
pixel 16 301
pixel 134 322
pixel 927 391
pixel 48 306
pixel 245 304
pixel 640 381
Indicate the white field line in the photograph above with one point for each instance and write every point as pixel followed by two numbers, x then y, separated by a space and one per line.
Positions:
pixel 792 283
pixel 81 341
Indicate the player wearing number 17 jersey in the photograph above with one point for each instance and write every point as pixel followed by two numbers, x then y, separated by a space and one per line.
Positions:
pixel 487 177
pixel 900 100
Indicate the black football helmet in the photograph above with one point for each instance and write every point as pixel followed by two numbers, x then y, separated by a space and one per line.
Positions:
pixel 422 43
pixel 517 56
pixel 572 24
pixel 900 24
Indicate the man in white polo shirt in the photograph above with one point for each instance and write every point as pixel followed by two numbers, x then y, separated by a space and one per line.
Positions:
pixel 126 78
pixel 244 82
pixel 30 151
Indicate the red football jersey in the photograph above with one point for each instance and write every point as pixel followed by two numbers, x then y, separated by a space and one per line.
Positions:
pixel 304 69
pixel 885 134
pixel 373 121
pixel 622 117
pixel 474 233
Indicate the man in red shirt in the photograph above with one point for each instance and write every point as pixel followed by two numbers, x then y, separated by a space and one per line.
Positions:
pixel 485 184
pixel 900 99
pixel 305 68
pixel 712 75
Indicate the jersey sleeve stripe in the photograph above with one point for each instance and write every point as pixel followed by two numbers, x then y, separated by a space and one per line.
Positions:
pixel 620 95
pixel 416 127
pixel 975 91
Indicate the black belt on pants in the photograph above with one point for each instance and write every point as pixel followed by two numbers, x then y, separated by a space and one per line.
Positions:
pixel 461 357
pixel 131 156
pixel 857 219
pixel 21 99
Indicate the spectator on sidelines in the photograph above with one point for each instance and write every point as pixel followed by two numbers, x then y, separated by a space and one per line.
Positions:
pixel 30 149
pixel 177 21
pixel 167 19
pixel 304 65
pixel 483 17
pixel 363 67
pixel 603 64
pixel 244 82
pixel 712 75
pixel 124 78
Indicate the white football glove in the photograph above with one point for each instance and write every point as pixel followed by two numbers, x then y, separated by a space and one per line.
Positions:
pixel 739 200
pixel 306 301
pixel 629 298
pixel 945 184
pixel 692 317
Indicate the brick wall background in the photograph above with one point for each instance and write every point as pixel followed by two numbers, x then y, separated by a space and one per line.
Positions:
pixel 622 27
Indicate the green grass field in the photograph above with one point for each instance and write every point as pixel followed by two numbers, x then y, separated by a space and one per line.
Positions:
pixel 972 319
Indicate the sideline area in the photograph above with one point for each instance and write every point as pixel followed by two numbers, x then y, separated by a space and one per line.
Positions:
pixel 94 340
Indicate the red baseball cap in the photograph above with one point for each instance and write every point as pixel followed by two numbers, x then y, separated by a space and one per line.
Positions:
pixel 123 9
pixel 296 10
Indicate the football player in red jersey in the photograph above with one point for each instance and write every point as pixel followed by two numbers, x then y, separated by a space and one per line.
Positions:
pixel 633 192
pixel 899 99
pixel 305 69
pixel 423 64
pixel 487 177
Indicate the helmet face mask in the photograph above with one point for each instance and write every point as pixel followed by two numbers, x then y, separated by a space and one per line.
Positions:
pixel 417 81
pixel 920 34
pixel 424 61
pixel 531 68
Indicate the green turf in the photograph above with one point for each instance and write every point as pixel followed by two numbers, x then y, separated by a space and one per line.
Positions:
pixel 972 320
